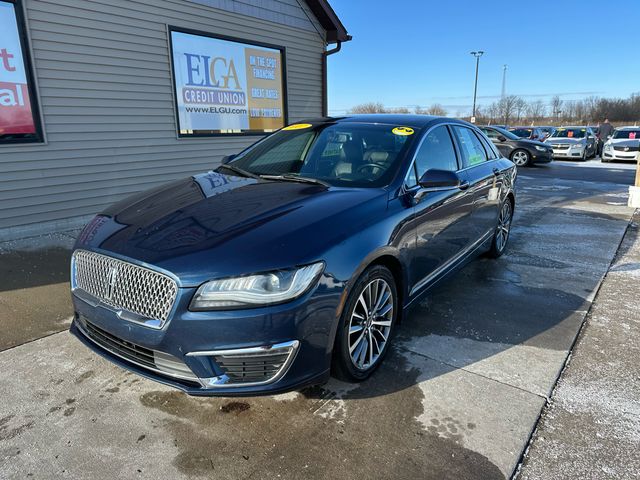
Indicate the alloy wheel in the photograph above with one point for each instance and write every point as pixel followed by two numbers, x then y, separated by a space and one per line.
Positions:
pixel 504 226
pixel 370 324
pixel 520 158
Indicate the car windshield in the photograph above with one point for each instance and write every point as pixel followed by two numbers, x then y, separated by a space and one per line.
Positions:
pixel 339 154
pixel 521 132
pixel 570 133
pixel 627 134
pixel 493 132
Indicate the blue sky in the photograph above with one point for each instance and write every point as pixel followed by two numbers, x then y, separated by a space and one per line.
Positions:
pixel 417 52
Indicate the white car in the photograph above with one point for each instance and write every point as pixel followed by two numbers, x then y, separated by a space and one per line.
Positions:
pixel 578 143
pixel 623 145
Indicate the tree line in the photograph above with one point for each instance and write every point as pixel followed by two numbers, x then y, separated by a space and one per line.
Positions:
pixel 513 109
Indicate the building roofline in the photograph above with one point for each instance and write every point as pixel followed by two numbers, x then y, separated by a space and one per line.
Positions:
pixel 336 31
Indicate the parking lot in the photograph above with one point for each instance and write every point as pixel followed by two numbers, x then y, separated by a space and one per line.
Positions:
pixel 473 367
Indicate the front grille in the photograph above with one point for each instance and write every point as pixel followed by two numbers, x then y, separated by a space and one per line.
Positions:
pixel 561 146
pixel 124 285
pixel 627 149
pixel 159 362
pixel 259 366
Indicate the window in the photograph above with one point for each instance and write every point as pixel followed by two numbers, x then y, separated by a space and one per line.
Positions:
pixel 436 152
pixel 488 147
pixel 341 154
pixel 19 119
pixel 226 86
pixel 473 152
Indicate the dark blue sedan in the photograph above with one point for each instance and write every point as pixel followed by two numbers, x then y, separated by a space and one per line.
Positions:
pixel 292 260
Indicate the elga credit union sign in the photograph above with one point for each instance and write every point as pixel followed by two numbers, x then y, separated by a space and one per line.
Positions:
pixel 224 86
pixel 17 121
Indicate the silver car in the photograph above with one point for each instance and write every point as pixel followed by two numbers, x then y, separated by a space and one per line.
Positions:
pixel 577 143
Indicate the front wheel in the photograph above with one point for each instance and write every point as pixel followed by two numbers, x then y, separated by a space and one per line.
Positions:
pixel 366 324
pixel 521 158
pixel 503 229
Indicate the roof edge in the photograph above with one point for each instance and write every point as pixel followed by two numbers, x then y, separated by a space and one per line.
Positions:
pixel 336 31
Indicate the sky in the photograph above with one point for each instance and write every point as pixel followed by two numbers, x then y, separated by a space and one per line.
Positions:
pixel 416 52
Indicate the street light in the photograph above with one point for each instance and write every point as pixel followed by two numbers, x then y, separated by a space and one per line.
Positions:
pixel 477 54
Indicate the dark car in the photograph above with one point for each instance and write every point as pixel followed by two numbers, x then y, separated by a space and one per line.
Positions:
pixel 521 152
pixel 295 258
pixel 528 133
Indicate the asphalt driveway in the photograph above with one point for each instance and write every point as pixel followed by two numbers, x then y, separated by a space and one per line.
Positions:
pixel 458 397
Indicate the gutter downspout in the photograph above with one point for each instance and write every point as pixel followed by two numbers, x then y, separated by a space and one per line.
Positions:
pixel 325 54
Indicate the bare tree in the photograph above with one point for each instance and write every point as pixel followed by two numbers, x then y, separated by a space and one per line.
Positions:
pixel 519 106
pixel 396 110
pixel 536 110
pixel 507 107
pixel 437 109
pixel 556 107
pixel 370 107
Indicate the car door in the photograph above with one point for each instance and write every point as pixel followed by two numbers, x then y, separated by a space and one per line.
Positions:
pixel 442 216
pixel 591 142
pixel 484 176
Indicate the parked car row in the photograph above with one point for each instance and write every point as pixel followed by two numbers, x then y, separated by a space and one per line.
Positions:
pixel 530 145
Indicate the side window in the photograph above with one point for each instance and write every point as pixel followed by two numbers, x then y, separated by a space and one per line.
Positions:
pixel 473 152
pixel 488 147
pixel 436 152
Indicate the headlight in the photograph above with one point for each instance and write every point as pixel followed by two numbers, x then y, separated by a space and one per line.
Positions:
pixel 577 145
pixel 540 149
pixel 607 146
pixel 256 290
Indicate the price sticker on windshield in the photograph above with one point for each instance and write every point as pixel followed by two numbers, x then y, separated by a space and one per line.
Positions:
pixel 298 126
pixel 404 131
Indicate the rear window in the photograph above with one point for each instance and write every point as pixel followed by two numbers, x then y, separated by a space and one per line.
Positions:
pixel 521 132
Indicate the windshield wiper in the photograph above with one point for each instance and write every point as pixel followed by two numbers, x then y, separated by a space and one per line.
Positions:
pixel 238 170
pixel 295 178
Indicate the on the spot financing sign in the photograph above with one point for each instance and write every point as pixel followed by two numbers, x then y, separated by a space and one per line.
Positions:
pixel 225 86
pixel 16 116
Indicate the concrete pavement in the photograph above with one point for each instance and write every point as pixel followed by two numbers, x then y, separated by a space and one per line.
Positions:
pixel 458 397
pixel 591 428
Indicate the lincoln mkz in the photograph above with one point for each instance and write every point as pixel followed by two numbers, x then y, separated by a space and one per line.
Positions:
pixel 295 258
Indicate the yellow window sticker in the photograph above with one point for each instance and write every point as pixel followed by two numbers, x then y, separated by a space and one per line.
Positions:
pixel 402 131
pixel 298 126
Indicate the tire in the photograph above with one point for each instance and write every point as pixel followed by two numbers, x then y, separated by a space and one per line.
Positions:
pixel 503 229
pixel 521 157
pixel 353 359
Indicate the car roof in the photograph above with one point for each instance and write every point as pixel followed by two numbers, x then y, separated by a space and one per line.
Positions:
pixel 523 127
pixel 408 120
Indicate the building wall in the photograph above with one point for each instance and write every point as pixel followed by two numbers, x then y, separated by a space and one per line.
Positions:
pixel 104 85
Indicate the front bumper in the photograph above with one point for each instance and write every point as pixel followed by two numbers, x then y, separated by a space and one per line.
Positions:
pixel 568 153
pixel 618 155
pixel 209 353
pixel 542 157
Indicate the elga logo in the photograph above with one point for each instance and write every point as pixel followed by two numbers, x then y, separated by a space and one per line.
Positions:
pixel 217 72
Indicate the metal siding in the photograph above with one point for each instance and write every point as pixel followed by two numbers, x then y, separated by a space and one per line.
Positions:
pixel 103 74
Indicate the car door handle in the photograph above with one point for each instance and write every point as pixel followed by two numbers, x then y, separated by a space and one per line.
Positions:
pixel 463 185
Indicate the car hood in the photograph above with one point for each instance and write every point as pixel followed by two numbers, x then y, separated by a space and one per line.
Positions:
pixel 214 225
pixel 564 140
pixel 624 142
pixel 530 143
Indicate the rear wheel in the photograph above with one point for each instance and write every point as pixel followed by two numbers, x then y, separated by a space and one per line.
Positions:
pixel 503 229
pixel 366 325
pixel 521 158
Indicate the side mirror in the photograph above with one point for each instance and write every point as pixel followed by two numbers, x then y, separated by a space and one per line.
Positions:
pixel 439 179
pixel 502 138
pixel 227 158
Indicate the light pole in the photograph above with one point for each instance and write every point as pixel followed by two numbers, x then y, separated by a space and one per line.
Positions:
pixel 477 54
